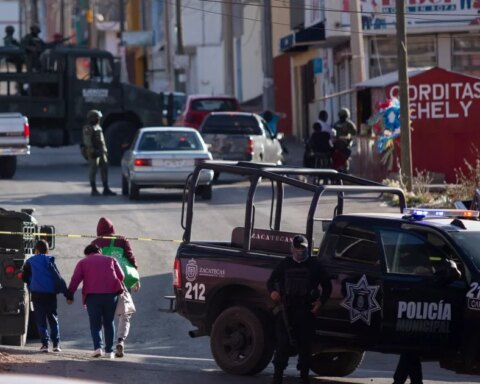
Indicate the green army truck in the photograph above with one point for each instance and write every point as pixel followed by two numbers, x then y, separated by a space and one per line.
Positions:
pixel 19 231
pixel 70 81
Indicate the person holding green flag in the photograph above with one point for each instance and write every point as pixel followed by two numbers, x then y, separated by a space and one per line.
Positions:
pixel 119 247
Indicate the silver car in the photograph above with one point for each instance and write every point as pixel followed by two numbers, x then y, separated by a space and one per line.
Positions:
pixel 164 157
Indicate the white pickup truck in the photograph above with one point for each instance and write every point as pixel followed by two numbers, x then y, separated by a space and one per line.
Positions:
pixel 14 141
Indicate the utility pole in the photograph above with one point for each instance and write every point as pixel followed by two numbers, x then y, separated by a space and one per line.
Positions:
pixel 168 47
pixel 268 82
pixel 62 18
pixel 405 136
pixel 356 43
pixel 34 12
pixel 229 66
pixel 180 71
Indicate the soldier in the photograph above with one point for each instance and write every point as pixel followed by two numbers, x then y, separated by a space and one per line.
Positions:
pixel 96 152
pixel 345 129
pixel 9 40
pixel 34 46
pixel 294 283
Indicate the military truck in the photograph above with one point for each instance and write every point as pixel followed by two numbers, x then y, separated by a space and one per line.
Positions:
pixel 70 82
pixel 19 231
pixel 393 271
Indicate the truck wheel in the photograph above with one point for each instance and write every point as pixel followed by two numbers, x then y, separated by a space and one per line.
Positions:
pixel 118 138
pixel 20 340
pixel 206 192
pixel 240 341
pixel 124 186
pixel 8 166
pixel 133 191
pixel 336 364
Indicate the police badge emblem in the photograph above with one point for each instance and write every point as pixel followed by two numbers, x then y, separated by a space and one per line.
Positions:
pixel 191 270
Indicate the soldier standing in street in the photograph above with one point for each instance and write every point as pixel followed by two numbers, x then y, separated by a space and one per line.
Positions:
pixel 345 128
pixel 96 152
pixel 294 283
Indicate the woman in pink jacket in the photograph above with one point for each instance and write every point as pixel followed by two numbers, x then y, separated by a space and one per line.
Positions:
pixel 102 282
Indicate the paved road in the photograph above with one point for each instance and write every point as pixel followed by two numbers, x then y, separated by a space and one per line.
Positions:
pixel 53 181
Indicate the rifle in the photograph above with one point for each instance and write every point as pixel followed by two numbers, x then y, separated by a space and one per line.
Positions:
pixel 282 308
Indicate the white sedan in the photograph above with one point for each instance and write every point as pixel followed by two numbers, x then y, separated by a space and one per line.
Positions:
pixel 164 157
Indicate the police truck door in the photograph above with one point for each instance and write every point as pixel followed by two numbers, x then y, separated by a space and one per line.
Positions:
pixel 420 306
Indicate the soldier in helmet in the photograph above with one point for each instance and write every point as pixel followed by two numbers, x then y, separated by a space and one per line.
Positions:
pixel 96 152
pixel 34 46
pixel 345 130
pixel 9 40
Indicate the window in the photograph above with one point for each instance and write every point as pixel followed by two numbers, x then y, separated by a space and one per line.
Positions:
pixel 169 141
pixel 94 69
pixel 422 52
pixel 413 253
pixel 357 244
pixel 232 124
pixel 466 54
pixel 214 105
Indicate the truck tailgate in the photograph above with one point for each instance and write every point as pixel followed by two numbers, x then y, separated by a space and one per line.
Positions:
pixel 14 139
pixel 227 147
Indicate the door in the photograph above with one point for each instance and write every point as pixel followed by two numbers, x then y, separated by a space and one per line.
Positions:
pixel 353 312
pixel 419 307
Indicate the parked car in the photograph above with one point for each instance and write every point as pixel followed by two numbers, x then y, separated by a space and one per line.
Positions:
pixel 164 157
pixel 14 141
pixel 241 136
pixel 198 107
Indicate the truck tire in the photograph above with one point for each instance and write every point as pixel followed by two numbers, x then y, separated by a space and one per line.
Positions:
pixel 124 186
pixel 8 166
pixel 133 191
pixel 336 364
pixel 205 191
pixel 20 340
pixel 240 342
pixel 118 137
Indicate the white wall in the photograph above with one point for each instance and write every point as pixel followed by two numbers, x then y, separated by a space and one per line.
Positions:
pixel 251 63
pixel 10 15
pixel 202 23
pixel 210 73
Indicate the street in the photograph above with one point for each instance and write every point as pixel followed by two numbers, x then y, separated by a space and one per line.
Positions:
pixel 54 182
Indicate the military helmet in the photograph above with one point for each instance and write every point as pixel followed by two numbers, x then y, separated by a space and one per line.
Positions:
pixel 94 116
pixel 35 28
pixel 9 29
pixel 344 113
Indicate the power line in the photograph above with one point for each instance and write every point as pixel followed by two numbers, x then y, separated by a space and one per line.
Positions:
pixel 336 10
pixel 365 33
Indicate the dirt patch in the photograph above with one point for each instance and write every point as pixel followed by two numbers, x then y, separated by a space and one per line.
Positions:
pixel 6 360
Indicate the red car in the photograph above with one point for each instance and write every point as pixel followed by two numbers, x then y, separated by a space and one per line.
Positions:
pixel 198 107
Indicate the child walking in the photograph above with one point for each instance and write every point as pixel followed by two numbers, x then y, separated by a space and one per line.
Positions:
pixel 44 282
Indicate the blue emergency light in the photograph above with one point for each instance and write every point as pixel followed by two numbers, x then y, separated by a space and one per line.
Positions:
pixel 420 213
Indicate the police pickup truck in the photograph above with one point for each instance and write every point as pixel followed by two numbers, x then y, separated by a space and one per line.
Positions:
pixel 19 231
pixel 394 288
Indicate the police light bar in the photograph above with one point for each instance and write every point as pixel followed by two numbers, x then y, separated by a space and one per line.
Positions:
pixel 423 212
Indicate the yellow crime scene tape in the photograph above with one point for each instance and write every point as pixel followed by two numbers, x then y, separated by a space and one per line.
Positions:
pixel 75 236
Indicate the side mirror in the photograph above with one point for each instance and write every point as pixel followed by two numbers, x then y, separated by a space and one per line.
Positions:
pixel 49 230
pixel 447 272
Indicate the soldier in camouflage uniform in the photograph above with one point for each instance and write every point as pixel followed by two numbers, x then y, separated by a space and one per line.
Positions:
pixel 96 152
pixel 34 46
pixel 345 130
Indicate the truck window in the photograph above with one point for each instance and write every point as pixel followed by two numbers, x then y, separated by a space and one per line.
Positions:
pixel 94 69
pixel 232 125
pixel 357 244
pixel 410 253
pixel 212 105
